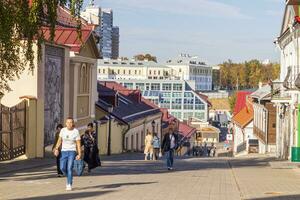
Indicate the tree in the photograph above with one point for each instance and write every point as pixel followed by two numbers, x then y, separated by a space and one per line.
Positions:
pixel 142 57
pixel 20 27
pixel 232 101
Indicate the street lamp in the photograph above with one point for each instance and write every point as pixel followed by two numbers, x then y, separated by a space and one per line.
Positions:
pixel 109 109
pixel 153 126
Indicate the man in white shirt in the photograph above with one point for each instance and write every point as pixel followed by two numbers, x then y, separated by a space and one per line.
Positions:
pixel 69 138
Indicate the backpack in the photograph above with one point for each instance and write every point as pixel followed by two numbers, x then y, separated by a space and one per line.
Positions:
pixel 156 142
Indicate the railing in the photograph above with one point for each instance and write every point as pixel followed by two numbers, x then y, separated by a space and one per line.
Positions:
pixel 241 147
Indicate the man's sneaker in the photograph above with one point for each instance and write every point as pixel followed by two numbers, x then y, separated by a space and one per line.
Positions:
pixel 169 168
pixel 68 187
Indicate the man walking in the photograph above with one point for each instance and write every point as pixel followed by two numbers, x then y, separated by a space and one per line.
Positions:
pixel 170 144
pixel 69 138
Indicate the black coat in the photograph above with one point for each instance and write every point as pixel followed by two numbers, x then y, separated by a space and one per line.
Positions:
pixel 166 143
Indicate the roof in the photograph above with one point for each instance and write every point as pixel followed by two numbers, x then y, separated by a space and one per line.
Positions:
pixel 68 37
pixel 244 117
pixel 240 101
pixel 263 93
pixel 186 130
pixel 220 104
pixel 208 129
pixel 204 98
pixel 128 108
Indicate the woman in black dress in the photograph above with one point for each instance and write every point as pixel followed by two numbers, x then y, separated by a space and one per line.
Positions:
pixel 91 151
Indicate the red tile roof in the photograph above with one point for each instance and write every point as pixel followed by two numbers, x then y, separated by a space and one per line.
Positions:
pixel 167 117
pixel 186 130
pixel 244 117
pixel 240 101
pixel 68 37
pixel 205 98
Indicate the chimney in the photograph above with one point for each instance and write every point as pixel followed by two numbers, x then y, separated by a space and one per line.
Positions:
pixel 136 95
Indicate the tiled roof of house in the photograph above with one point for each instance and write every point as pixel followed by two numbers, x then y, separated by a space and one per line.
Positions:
pixel 240 101
pixel 128 107
pixel 244 117
pixel 185 130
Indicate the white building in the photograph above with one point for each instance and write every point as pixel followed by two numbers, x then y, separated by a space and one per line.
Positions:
pixel 128 70
pixel 192 68
pixel 287 98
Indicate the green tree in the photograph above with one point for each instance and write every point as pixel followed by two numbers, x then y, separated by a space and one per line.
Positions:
pixel 20 28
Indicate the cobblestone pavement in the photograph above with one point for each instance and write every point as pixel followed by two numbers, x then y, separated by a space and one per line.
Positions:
pixel 130 177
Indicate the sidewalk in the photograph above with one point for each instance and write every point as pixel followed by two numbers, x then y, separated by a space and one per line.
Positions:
pixel 21 163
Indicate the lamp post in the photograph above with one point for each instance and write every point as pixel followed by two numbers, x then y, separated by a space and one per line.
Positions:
pixel 153 126
pixel 109 109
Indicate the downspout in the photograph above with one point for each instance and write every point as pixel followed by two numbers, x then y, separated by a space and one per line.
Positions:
pixel 123 136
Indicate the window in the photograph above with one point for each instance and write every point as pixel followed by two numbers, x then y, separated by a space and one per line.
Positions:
pixel 158 72
pixel 128 85
pixel 135 71
pixel 154 72
pixel 199 115
pixel 140 86
pixel 84 79
pixel 155 86
pixel 176 94
pixel 188 104
pixel 187 115
pixel 99 71
pixel 129 71
pixel 189 94
pixel 103 71
pixel 166 86
pixel 140 72
pixel 118 71
pixel 124 72
pixel 176 103
pixel 178 115
pixel 149 72
pixel 165 103
pixel 177 86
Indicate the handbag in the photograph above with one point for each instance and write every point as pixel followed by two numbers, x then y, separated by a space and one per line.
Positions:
pixel 79 166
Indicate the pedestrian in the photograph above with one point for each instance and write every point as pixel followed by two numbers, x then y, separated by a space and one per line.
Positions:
pixel 69 139
pixel 169 145
pixel 58 128
pixel 148 151
pixel 156 146
pixel 205 149
pixel 91 151
pixel 214 148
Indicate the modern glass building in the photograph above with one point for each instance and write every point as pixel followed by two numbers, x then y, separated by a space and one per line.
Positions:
pixel 106 32
pixel 115 42
pixel 178 96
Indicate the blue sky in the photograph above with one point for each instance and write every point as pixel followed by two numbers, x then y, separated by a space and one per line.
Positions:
pixel 215 30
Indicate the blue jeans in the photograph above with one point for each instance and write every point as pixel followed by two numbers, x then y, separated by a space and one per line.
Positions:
pixel 170 158
pixel 66 164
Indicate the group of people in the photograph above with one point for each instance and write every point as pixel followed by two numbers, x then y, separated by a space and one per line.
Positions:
pixel 205 150
pixel 68 147
pixel 154 149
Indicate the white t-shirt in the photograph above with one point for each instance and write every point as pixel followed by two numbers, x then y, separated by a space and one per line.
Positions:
pixel 172 138
pixel 69 138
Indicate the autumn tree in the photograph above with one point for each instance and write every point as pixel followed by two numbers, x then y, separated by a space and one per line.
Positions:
pixel 20 27
pixel 142 57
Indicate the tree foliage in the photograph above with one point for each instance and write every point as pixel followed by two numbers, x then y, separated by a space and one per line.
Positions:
pixel 20 28
pixel 247 75
pixel 142 57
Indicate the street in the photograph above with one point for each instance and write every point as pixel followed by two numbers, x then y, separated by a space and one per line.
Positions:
pixel 132 178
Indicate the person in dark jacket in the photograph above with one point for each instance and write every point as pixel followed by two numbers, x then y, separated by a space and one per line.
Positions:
pixel 91 151
pixel 58 128
pixel 170 144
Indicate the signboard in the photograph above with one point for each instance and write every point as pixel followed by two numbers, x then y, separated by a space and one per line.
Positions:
pixel 229 137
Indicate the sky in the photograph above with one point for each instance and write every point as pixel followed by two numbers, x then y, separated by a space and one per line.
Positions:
pixel 214 30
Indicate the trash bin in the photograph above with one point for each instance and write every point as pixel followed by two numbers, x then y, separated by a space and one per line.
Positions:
pixel 295 154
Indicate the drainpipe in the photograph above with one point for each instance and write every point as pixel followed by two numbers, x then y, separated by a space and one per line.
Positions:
pixel 123 136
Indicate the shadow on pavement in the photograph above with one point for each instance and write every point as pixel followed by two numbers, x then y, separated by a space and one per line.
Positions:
pixel 68 195
pixel 115 185
pixel 133 163
pixel 291 197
